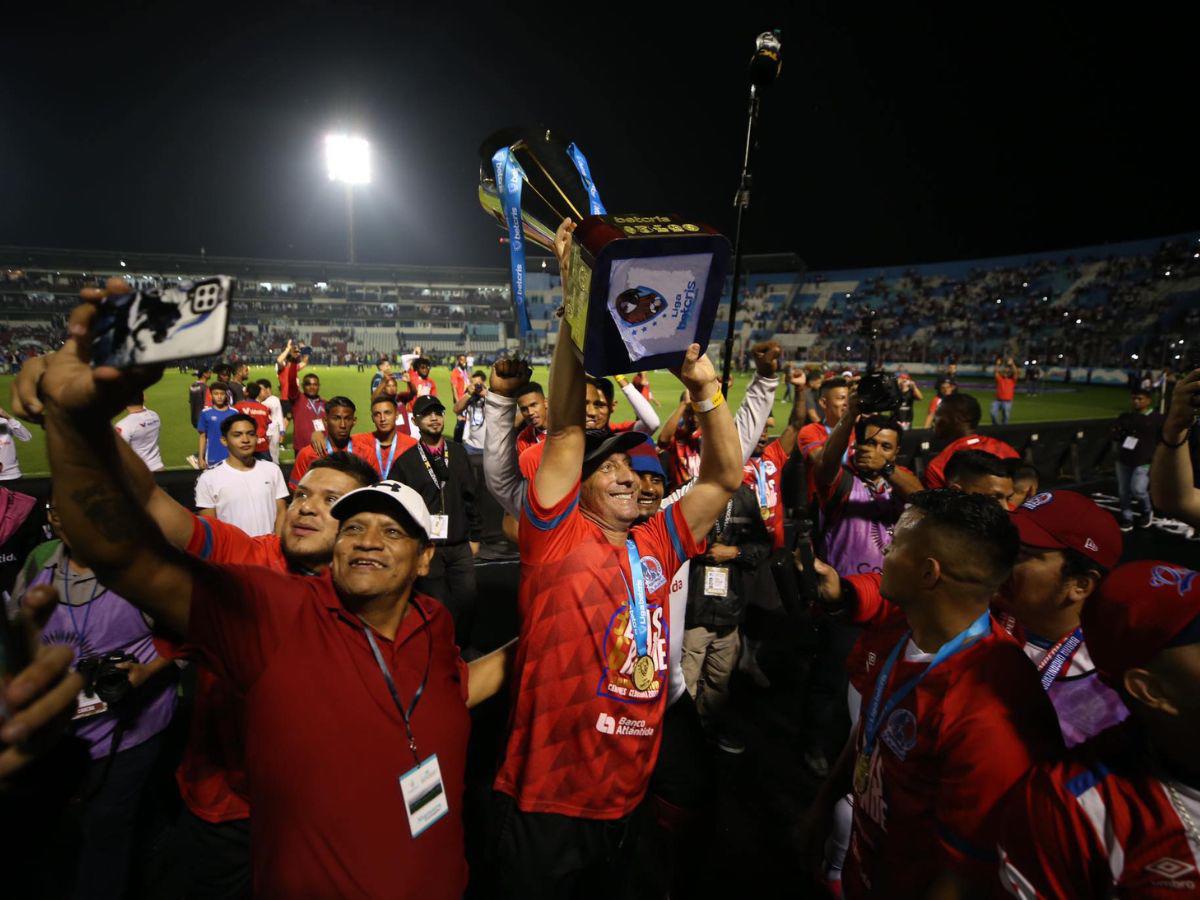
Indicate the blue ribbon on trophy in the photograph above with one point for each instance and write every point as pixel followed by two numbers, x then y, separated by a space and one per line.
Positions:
pixel 509 178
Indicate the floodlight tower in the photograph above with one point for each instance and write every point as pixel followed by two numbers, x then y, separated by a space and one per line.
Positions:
pixel 348 160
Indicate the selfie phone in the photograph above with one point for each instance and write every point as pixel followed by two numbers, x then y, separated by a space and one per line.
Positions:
pixel 183 321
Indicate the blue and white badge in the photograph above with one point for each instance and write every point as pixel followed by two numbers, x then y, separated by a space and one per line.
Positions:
pixel 509 176
pixel 424 795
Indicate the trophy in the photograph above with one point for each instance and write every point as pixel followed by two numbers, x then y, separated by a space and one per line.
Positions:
pixel 640 288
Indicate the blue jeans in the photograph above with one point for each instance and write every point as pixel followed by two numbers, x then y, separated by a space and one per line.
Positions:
pixel 1133 482
pixel 1001 410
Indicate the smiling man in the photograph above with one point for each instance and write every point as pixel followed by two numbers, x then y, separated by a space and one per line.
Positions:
pixel 592 666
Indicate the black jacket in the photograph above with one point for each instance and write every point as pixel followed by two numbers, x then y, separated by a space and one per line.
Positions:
pixel 740 525
pixel 458 494
pixel 1140 430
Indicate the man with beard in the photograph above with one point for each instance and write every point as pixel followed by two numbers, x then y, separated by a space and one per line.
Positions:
pixel 213 776
pixel 340 415
pixel 440 472
pixel 531 404
pixel 957 421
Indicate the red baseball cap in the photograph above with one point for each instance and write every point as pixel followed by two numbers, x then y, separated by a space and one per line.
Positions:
pixel 1065 520
pixel 1140 609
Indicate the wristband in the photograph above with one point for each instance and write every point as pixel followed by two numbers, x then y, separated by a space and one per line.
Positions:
pixel 1162 438
pixel 709 405
pixel 621 380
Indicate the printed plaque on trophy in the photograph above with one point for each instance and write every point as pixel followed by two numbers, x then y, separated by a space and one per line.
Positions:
pixel 640 288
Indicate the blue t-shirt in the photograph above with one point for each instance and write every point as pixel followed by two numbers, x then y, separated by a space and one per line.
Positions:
pixel 209 423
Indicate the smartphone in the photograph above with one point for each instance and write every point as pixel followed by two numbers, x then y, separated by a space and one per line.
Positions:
pixel 183 321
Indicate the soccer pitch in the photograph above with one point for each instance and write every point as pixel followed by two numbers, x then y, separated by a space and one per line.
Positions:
pixel 169 398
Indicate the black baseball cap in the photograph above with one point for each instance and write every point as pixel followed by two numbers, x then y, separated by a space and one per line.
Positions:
pixel 428 403
pixel 602 443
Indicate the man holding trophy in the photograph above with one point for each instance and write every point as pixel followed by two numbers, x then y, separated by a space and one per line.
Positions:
pixel 590 677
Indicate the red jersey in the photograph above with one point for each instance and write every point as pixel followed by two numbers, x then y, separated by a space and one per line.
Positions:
pixel 769 467
pixel 212 773
pixel 1005 387
pixel 289 384
pixel 307 456
pixel 935 472
pixel 325 744
pixel 944 757
pixel 616 427
pixel 305 411
pixel 683 457
pixel 262 418
pixel 528 437
pixel 1099 824
pixel 458 382
pixel 419 387
pixel 366 446
pixel 583 739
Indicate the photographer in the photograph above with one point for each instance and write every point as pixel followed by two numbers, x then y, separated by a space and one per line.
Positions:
pixel 126 705
pixel 1135 434
pixel 1172 474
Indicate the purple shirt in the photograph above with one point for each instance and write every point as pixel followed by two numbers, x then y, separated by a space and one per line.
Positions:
pixel 857 525
pixel 105 624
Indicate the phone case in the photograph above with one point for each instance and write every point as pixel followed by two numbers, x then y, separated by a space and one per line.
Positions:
pixel 181 322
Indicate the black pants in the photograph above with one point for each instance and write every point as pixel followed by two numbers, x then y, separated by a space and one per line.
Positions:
pixel 491 516
pixel 683 773
pixel 825 717
pixel 108 816
pixel 215 857
pixel 451 580
pixel 543 856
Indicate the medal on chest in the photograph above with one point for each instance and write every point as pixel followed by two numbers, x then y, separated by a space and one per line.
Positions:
pixel 643 673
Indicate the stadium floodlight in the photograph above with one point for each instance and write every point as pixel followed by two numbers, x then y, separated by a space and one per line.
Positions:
pixel 348 159
pixel 122 264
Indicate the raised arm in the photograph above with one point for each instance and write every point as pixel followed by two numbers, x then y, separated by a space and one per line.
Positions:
pixel 759 399
pixel 562 460
pixel 1172 487
pixel 720 452
pixel 647 418
pixel 500 469
pixel 668 432
pixel 829 462
pixel 799 415
pixel 282 359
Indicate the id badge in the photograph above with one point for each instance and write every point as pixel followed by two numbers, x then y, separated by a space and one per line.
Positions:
pixel 318 425
pixel 716 581
pixel 87 706
pixel 1130 443
pixel 439 527
pixel 424 795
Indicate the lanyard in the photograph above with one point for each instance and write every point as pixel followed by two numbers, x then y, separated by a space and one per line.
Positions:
pixel 70 607
pixel 638 617
pixel 1058 656
pixel 391 455
pixel 760 476
pixel 723 523
pixel 432 475
pixel 875 715
pixel 405 714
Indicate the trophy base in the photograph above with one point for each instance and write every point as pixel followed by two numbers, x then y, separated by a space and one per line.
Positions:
pixel 641 289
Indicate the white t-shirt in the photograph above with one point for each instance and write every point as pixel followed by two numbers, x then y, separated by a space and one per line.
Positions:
pixel 245 499
pixel 10 429
pixel 276 409
pixel 140 431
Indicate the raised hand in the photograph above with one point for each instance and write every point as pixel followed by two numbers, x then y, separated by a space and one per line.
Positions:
pixel 1185 404
pixel 509 375
pixel 766 358
pixel 697 374
pixel 797 377
pixel 562 246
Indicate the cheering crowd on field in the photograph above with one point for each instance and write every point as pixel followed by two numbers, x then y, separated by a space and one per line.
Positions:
pixel 1015 699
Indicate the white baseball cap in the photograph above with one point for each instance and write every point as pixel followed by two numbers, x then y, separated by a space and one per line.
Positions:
pixel 385 497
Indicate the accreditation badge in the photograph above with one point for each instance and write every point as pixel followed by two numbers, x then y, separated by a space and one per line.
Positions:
pixel 424 795
pixel 88 705
pixel 716 581
pixel 439 527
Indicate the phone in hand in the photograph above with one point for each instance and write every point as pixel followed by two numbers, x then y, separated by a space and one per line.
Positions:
pixel 183 321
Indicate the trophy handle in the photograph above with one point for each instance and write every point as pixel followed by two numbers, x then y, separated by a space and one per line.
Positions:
pixel 521 145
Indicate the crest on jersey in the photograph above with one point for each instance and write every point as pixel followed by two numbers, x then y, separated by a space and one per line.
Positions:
pixel 1173 576
pixel 1039 500
pixel 1171 869
pixel 652 573
pixel 620 654
pixel 900 733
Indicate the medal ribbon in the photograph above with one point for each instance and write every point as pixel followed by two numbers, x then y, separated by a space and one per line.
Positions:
pixel 405 714
pixel 509 177
pixel 639 618
pixel 760 476
pixel 391 455
pixel 874 715
pixel 1058 656
pixel 595 207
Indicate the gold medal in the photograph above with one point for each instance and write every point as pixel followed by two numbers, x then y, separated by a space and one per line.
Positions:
pixel 766 512
pixel 862 773
pixel 643 673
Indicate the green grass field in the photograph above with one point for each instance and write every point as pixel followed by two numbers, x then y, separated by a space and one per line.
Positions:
pixel 169 399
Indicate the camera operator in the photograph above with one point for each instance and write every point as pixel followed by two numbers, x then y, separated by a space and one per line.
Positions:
pixel 1172 474
pixel 126 705
pixel 1135 434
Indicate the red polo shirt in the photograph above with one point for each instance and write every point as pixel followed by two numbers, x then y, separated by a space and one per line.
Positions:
pixel 935 472
pixel 325 745
pixel 366 447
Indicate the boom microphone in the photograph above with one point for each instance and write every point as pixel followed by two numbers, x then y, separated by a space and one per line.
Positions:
pixel 767 59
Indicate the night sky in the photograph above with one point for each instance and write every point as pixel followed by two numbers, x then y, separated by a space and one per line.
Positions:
pixel 893 136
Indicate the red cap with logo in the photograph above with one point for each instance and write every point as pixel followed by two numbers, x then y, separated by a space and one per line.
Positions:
pixel 1140 609
pixel 1065 520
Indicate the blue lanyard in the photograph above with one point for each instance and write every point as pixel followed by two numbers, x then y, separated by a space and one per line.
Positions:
pixel 1058 656
pixel 595 207
pixel 509 177
pixel 391 456
pixel 638 616
pixel 66 599
pixel 761 477
pixel 875 715
pixel 405 714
